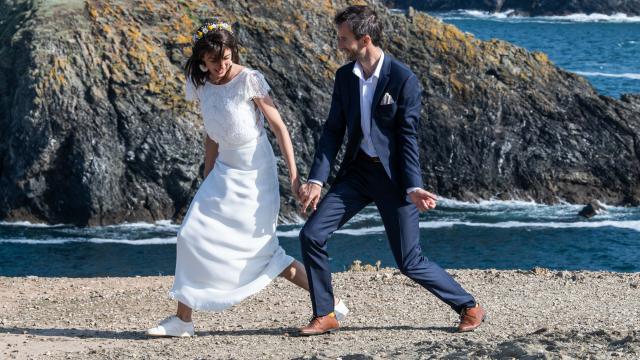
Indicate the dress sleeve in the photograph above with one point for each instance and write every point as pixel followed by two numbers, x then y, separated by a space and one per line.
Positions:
pixel 190 93
pixel 257 86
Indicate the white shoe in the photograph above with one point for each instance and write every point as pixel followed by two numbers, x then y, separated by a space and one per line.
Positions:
pixel 341 310
pixel 172 326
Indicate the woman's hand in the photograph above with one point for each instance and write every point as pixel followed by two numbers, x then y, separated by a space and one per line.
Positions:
pixel 295 187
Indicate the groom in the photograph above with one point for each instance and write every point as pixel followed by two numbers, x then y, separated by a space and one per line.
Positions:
pixel 376 99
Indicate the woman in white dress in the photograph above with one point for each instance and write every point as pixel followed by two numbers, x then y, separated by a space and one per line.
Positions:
pixel 227 246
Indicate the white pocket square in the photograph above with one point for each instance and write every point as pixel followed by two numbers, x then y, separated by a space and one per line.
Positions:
pixel 386 99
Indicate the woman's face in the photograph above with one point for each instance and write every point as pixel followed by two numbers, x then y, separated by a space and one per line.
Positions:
pixel 218 67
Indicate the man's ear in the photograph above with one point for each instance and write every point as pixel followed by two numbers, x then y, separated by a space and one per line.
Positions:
pixel 366 40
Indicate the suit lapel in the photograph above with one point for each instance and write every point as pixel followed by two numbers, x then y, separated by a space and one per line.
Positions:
pixel 382 82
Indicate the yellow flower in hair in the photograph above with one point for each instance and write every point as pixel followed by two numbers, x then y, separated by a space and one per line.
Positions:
pixel 200 34
pixel 210 27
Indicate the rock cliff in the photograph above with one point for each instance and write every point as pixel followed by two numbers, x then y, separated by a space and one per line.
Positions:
pixel 94 128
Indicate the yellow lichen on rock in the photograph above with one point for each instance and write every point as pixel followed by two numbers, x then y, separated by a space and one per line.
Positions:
pixel 541 57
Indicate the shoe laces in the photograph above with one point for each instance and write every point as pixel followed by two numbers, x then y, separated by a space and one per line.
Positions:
pixel 316 319
pixel 464 311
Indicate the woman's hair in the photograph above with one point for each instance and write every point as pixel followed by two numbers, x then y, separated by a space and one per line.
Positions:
pixel 215 39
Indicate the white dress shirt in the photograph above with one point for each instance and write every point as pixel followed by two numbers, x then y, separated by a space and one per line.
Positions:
pixel 367 89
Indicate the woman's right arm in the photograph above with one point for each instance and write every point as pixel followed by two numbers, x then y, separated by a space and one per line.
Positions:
pixel 210 154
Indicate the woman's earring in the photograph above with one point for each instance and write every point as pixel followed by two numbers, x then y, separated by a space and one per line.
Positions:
pixel 203 68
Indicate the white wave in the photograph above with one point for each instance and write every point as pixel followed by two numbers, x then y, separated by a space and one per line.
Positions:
pixel 30 224
pixel 438 224
pixel 630 224
pixel 485 14
pixel 152 241
pixel 138 225
pixel 633 76
pixel 293 233
pixel 508 16
pixel 484 204
pixel 494 207
pixel 595 17
pixel 144 225
pixel 59 241
pixel 362 231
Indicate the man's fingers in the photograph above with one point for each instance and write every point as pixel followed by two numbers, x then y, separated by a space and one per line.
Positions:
pixel 428 195
pixel 306 203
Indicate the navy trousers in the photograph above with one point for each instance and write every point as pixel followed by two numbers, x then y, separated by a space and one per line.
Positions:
pixel 363 183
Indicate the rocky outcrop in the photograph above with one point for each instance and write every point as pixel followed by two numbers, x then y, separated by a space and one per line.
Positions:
pixel 526 7
pixel 94 129
pixel 592 209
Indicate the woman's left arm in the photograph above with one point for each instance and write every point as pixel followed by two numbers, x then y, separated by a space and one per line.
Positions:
pixel 268 108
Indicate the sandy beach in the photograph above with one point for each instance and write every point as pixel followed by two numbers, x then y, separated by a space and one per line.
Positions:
pixel 532 314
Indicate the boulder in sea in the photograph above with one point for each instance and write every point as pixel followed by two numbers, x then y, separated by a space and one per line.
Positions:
pixel 592 209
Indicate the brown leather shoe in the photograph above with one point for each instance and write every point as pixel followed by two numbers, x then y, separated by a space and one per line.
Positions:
pixel 471 318
pixel 320 325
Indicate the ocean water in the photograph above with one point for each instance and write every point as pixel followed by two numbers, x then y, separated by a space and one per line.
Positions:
pixel 491 234
pixel 604 49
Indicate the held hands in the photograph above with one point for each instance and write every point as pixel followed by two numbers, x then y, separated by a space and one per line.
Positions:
pixel 309 196
pixel 423 199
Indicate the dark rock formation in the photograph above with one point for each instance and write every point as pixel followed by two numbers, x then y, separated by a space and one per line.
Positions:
pixel 526 7
pixel 94 129
pixel 592 209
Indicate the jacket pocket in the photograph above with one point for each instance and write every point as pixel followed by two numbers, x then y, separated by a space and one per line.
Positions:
pixel 384 114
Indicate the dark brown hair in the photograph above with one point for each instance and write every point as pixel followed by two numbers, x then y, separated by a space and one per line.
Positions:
pixel 215 42
pixel 362 20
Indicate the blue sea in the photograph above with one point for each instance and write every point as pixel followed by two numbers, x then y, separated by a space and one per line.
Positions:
pixel 490 234
pixel 604 49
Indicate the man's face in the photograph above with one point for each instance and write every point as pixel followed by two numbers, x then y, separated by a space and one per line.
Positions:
pixel 348 44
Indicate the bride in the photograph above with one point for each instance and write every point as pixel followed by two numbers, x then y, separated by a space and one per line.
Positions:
pixel 227 246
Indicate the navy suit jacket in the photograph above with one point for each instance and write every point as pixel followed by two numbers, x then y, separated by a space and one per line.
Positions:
pixel 393 127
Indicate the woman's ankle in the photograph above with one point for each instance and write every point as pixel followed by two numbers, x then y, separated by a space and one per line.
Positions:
pixel 184 318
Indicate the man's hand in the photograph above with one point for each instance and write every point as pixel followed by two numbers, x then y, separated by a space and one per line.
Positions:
pixel 423 199
pixel 309 195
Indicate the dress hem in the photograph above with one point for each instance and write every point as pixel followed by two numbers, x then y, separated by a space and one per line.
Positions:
pixel 222 304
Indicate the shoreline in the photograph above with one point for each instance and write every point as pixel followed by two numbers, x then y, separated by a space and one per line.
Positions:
pixel 531 313
pixel 286 221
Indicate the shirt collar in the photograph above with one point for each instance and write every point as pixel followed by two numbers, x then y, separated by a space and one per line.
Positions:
pixel 357 68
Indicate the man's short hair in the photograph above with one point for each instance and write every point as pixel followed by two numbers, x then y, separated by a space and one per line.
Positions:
pixel 362 20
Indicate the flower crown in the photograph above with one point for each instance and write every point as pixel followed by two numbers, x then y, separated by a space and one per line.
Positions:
pixel 212 26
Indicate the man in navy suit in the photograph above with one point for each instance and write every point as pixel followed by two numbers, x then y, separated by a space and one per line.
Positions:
pixel 376 100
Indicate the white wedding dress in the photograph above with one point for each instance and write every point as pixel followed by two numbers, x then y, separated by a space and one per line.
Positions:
pixel 227 245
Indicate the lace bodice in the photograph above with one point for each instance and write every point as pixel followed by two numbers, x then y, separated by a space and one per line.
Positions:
pixel 230 116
